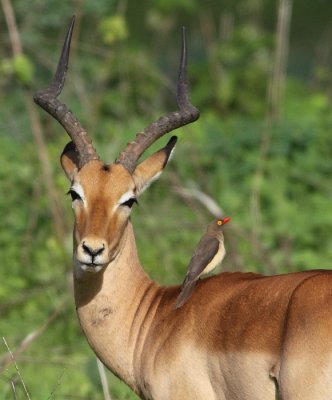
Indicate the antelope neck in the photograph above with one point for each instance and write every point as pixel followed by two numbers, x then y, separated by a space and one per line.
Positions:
pixel 109 304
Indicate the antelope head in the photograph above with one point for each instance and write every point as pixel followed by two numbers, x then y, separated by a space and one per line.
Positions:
pixel 103 194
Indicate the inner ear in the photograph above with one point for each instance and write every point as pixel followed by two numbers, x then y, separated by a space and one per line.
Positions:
pixel 69 160
pixel 150 169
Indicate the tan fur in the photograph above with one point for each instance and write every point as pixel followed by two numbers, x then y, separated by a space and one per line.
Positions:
pixel 239 336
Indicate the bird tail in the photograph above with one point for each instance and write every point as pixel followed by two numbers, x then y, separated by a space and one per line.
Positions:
pixel 185 293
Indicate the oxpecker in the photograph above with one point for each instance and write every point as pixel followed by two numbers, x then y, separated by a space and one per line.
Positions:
pixel 208 253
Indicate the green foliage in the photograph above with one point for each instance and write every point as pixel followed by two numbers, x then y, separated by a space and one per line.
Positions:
pixel 246 59
pixel 113 29
pixel 121 77
pixel 171 6
pixel 23 69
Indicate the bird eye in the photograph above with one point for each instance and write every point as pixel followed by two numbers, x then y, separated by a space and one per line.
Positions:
pixel 74 195
pixel 129 203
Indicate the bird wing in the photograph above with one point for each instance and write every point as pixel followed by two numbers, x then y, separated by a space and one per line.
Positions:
pixel 205 251
pixel 186 292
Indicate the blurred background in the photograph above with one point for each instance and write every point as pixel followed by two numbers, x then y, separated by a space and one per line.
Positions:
pixel 260 72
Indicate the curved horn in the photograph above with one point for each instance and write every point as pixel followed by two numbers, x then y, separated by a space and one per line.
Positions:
pixel 47 99
pixel 187 113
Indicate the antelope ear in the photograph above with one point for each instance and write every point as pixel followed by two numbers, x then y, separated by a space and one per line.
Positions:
pixel 69 160
pixel 150 169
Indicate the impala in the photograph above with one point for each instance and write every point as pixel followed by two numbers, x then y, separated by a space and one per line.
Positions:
pixel 239 336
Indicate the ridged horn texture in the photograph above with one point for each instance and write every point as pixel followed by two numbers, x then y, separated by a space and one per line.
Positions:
pixel 47 99
pixel 186 114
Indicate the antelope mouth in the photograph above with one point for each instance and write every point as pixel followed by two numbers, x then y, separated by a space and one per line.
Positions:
pixel 91 267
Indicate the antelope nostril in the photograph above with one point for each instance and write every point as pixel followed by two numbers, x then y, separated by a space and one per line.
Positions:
pixel 93 251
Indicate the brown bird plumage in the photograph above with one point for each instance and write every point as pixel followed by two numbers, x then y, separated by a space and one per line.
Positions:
pixel 208 253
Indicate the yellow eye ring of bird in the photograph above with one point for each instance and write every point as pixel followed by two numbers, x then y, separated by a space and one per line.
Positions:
pixel 223 221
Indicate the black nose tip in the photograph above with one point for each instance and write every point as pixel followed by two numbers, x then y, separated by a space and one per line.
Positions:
pixel 93 251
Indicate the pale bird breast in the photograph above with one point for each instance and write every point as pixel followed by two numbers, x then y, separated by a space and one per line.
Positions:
pixel 217 259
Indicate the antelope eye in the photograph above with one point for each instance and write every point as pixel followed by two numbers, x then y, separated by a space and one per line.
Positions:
pixel 74 195
pixel 129 203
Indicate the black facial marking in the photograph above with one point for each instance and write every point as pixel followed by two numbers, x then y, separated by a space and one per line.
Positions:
pixel 129 203
pixel 74 195
pixel 106 168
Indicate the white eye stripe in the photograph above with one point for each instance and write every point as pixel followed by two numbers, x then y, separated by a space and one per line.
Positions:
pixel 126 196
pixel 76 187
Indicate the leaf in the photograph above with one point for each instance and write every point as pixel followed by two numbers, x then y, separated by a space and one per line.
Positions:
pixel 23 69
pixel 113 29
